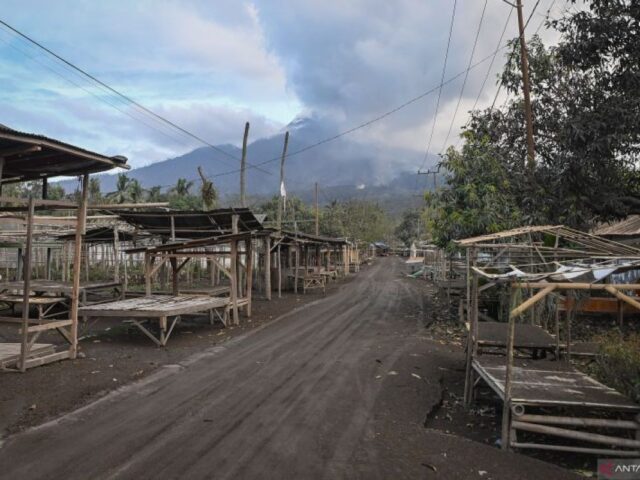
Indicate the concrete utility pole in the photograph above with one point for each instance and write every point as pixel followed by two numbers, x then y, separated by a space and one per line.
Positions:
pixel 317 211
pixel 243 167
pixel 524 65
pixel 281 197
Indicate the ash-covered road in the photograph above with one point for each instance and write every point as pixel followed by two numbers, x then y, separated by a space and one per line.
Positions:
pixel 337 389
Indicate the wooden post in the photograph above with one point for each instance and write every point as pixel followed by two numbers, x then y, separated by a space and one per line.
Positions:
pixel 148 267
pixel 279 272
pixel 248 247
pixel 506 407
pixel 26 287
pixel 174 275
pixel 81 224
pixel 243 167
pixel 472 315
pixel 173 228
pixel 281 197
pixel 297 267
pixel 233 280
pixel 267 266
pixel 47 268
pixel 116 254
pixel 19 265
pixel 317 211
pixel 2 160
pixel 524 65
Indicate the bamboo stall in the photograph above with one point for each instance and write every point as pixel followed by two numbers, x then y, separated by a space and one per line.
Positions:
pixel 29 157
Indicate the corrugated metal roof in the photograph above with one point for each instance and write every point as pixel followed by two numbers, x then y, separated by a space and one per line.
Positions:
pixel 629 227
pixel 192 224
pixel 30 156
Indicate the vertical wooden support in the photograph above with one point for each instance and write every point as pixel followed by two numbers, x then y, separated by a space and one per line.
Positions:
pixel 248 246
pixel 26 287
pixel 20 266
pixel 116 254
pixel 233 281
pixel 47 266
pixel 506 407
pixel 279 271
pixel 243 166
pixel 174 275
pixel 148 266
pixel 173 228
pixel 267 266
pixel 81 224
pixel 297 268
pixel 472 340
pixel 2 160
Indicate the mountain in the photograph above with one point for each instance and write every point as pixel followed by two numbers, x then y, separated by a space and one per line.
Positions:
pixel 344 168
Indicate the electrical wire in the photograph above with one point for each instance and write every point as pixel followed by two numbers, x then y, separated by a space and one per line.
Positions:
pixel 121 95
pixel 466 76
pixel 444 69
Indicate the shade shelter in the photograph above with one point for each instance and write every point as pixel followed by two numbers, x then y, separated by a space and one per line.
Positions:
pixel 168 309
pixel 550 398
pixel 25 156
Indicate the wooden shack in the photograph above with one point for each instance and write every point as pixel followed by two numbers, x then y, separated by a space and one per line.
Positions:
pixel 30 157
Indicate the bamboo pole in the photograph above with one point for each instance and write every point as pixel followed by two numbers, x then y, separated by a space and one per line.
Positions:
pixel 77 260
pixel 267 267
pixel 24 347
pixel 249 272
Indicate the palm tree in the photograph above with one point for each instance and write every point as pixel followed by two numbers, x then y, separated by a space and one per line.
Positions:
pixel 121 193
pixel 154 194
pixel 135 190
pixel 94 189
pixel 182 187
pixel 208 192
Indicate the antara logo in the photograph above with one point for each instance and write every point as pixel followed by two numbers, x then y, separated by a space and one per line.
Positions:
pixel 619 469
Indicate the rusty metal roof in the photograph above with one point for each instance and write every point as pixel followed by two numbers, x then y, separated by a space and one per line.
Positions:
pixel 29 156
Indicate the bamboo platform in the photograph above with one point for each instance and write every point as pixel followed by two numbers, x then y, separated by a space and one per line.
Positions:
pixel 527 337
pixel 10 353
pixel 58 288
pixel 167 309
pixel 562 394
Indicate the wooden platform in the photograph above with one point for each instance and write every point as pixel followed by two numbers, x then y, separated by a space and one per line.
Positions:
pixel 160 307
pixel 527 336
pixel 562 409
pixel 542 382
pixel 10 352
pixel 53 286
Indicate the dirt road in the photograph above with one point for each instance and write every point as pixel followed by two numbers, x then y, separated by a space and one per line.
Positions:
pixel 337 389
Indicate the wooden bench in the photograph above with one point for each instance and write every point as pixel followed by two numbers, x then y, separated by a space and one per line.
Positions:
pixel 166 309
pixel 44 304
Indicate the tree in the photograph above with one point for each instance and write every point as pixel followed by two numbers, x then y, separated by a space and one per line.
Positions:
pixel 182 187
pixel 135 191
pixel 95 195
pixel 208 192
pixel 477 197
pixel 121 193
pixel 411 227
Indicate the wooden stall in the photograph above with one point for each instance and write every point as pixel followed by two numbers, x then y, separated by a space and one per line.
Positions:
pixel 569 409
pixel 167 310
pixel 29 157
pixel 306 262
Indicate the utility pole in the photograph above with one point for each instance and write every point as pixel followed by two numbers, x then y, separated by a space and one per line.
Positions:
pixel 281 197
pixel 317 211
pixel 524 65
pixel 243 167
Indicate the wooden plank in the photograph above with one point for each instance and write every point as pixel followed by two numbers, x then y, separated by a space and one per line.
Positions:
pixel 77 259
pixel 49 326
pixel 54 357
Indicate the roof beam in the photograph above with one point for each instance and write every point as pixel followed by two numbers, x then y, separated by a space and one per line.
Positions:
pixel 10 152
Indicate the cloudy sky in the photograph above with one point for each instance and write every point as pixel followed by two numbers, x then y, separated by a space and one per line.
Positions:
pixel 211 65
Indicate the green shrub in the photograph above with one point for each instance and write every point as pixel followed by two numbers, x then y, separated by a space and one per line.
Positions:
pixel 618 364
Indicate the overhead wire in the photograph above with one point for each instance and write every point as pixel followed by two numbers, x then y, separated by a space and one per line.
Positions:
pixel 128 99
pixel 466 76
pixel 444 70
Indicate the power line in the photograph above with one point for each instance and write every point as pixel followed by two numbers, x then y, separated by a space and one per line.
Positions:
pixel 119 94
pixel 466 76
pixel 105 100
pixel 444 69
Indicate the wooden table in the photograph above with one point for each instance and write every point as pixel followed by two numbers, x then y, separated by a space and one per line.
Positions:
pixel 167 309
pixel 40 287
pixel 44 304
